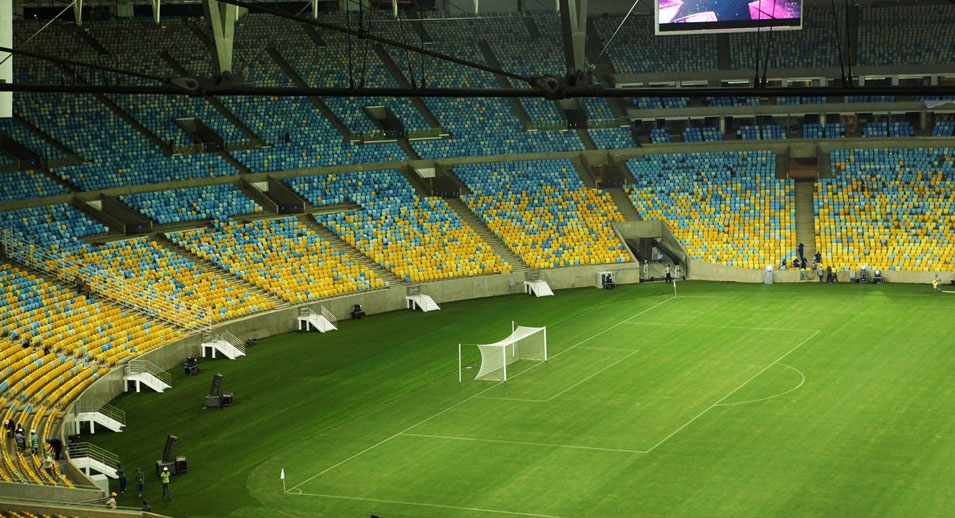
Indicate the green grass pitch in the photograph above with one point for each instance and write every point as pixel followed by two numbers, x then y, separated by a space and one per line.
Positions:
pixel 728 400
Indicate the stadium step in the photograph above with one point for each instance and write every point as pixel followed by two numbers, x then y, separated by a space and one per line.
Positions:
pixel 403 82
pixel 585 138
pixel 343 245
pixel 624 205
pixel 317 102
pixel 603 67
pixel 805 220
pixel 213 101
pixel 472 220
pixel 121 113
pixel 504 82
pixel 583 171
pixel 44 135
pixel 167 243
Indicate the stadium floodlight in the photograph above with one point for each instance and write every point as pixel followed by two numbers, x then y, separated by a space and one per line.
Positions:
pixel 524 343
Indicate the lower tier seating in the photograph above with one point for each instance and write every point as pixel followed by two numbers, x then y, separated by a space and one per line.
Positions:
pixel 889 209
pixel 725 208
pixel 283 257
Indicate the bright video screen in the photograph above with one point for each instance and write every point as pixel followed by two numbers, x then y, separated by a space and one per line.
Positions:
pixel 691 16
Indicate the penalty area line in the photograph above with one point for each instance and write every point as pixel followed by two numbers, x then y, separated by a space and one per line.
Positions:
pixel 735 390
pixel 469 398
pixel 523 443
pixel 424 504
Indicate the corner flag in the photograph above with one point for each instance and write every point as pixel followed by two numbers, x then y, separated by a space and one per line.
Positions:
pixel 282 475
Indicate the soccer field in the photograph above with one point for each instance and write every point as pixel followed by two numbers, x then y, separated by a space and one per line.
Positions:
pixel 727 400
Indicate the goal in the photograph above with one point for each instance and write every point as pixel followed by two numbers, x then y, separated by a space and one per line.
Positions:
pixel 524 343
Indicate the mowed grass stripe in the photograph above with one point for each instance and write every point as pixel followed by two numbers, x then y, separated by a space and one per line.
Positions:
pixel 867 434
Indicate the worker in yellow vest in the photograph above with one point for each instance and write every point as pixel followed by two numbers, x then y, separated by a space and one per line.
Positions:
pixel 165 476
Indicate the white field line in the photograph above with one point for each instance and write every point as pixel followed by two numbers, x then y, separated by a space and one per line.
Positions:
pixel 718 327
pixel 735 390
pixel 555 396
pixel 816 302
pixel 523 443
pixel 802 380
pixel 606 349
pixel 422 504
pixel 631 351
pixel 469 398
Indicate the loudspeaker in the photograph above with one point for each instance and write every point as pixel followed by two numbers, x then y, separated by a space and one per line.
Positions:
pixel 167 453
pixel 216 385
pixel 227 399
pixel 181 465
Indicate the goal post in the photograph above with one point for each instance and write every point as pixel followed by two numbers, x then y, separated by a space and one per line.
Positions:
pixel 524 343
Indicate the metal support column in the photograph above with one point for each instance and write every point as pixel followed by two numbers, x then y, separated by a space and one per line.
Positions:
pixel 222 16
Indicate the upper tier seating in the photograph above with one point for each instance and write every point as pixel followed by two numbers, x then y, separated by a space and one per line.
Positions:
pixel 23 185
pixel 903 34
pixel 612 138
pixel 27 138
pixel 888 209
pixel 659 136
pixel 641 51
pixel 725 208
pixel 417 239
pixel 815 45
pixel 191 204
pixel 543 212
pixel 281 256
pixel 944 129
pixel 763 132
pixel 660 103
pixel 888 129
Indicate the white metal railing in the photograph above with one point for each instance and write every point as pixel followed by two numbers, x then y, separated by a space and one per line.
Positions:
pixel 110 411
pixel 328 315
pixel 102 282
pixel 94 452
pixel 232 340
pixel 141 366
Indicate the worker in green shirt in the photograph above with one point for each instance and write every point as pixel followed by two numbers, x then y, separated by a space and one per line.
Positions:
pixel 140 481
pixel 166 492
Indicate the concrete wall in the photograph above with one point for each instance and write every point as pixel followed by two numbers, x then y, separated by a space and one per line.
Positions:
pixel 11 492
pixel 71 510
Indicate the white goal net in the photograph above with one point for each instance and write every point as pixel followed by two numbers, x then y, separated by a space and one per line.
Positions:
pixel 524 343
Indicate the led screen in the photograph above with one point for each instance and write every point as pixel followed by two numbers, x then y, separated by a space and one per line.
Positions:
pixel 690 16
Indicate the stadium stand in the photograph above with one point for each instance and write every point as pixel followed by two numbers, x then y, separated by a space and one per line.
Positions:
pixel 887 208
pixel 416 238
pixel 944 129
pixel 906 34
pixel 763 132
pixel 543 212
pixel 725 208
pixel 281 256
pixel 659 136
pixel 815 45
pixel 888 129
pixel 612 138
pixel 643 52
pixel 191 204
pixel 23 185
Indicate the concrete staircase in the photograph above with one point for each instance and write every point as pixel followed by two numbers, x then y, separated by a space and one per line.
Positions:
pixel 343 245
pixel 805 225
pixel 472 220
pixel 624 205
pixel 168 244
pixel 585 138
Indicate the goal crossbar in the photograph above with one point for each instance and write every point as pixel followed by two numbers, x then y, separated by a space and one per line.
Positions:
pixel 524 343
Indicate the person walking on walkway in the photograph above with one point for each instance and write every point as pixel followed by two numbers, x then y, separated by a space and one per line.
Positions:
pixel 34 442
pixel 166 491
pixel 669 277
pixel 21 440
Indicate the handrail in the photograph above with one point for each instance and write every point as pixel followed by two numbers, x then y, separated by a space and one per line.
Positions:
pixel 164 308
pixel 85 449
pixel 139 365
pixel 232 340
pixel 328 315
pixel 110 411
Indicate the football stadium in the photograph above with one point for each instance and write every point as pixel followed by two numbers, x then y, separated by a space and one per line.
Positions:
pixel 477 259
